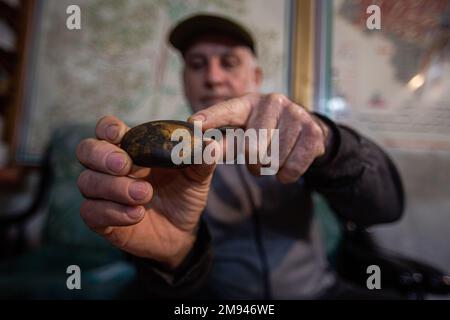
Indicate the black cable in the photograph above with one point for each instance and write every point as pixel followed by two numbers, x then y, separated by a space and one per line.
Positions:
pixel 258 239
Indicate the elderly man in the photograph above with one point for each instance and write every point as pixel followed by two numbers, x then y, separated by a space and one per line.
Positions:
pixel 218 228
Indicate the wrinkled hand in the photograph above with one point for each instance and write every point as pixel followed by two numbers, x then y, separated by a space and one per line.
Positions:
pixel 302 136
pixel 150 213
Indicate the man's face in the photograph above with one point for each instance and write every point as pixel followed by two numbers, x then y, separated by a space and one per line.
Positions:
pixel 217 69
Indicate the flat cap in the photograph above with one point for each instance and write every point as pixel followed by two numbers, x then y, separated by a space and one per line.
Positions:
pixel 186 31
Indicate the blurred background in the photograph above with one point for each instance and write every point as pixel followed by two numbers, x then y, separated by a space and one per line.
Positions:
pixel 392 84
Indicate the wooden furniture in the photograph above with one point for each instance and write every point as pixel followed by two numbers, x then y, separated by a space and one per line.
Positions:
pixel 17 20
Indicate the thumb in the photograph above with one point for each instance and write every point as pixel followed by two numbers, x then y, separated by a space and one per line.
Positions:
pixel 202 173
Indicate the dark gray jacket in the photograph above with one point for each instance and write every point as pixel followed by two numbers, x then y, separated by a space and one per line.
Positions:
pixel 259 238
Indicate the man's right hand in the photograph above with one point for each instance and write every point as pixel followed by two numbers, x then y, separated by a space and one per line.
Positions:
pixel 150 213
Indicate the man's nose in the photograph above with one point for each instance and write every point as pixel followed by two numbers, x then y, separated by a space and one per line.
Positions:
pixel 215 75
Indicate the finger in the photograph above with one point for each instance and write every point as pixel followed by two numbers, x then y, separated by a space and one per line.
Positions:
pixel 264 117
pixel 124 190
pixel 139 172
pixel 306 149
pixel 290 126
pixel 229 149
pixel 100 214
pixel 202 173
pixel 234 112
pixel 104 157
pixel 111 129
pixel 268 111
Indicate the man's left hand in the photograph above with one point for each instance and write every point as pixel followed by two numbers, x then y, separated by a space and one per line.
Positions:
pixel 302 136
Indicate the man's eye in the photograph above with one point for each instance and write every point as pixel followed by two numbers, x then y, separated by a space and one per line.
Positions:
pixel 231 62
pixel 196 64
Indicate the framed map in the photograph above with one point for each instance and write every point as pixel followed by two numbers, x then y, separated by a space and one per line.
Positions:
pixel 119 62
pixel 392 84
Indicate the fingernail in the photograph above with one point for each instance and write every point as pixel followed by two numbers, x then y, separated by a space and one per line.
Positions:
pixel 197 117
pixel 138 190
pixel 116 162
pixel 112 131
pixel 135 212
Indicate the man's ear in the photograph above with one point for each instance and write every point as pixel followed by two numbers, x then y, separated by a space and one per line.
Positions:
pixel 258 76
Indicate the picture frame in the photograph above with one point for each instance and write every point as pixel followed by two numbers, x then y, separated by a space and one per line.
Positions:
pixel 304 26
pixel 17 60
pixel 372 79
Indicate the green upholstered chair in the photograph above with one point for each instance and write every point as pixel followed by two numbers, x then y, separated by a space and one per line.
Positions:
pixel 331 229
pixel 41 273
